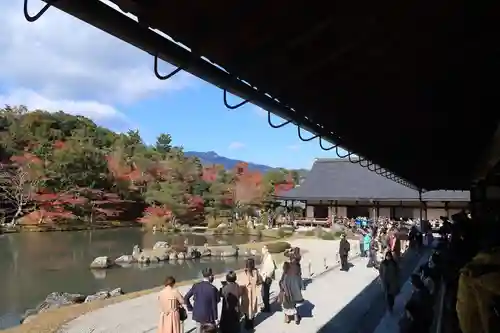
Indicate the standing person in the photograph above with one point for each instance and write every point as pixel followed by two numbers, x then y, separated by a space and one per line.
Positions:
pixel 251 279
pixel 344 248
pixel 389 276
pixel 267 271
pixel 290 293
pixel 367 239
pixel 206 297
pixel 171 303
pixel 231 295
pixel 362 247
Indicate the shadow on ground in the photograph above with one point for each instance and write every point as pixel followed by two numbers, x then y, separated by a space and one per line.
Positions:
pixel 364 312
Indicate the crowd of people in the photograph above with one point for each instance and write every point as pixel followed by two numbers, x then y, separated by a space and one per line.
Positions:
pixel 382 240
pixel 239 297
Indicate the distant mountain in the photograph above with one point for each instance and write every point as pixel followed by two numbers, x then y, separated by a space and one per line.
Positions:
pixel 211 157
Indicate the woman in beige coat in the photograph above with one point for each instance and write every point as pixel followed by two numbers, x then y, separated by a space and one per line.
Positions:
pixel 249 282
pixel 170 302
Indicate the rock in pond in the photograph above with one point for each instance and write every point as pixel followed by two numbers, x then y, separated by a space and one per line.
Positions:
pixel 125 259
pixel 101 262
pixel 136 251
pixel 161 245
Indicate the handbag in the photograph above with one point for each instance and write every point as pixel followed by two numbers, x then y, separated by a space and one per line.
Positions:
pixel 182 314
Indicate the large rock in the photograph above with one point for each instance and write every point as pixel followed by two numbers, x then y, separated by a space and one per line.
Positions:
pixel 147 258
pixel 97 296
pixel 160 245
pixel 161 253
pixel 116 292
pixel 136 251
pixel 181 255
pixel 194 253
pixel 57 299
pixel 125 259
pixel 224 251
pixel 172 256
pixel 101 262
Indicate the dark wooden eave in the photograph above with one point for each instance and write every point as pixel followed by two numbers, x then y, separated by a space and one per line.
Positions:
pixel 402 83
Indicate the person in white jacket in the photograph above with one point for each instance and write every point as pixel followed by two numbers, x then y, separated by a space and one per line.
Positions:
pixel 267 271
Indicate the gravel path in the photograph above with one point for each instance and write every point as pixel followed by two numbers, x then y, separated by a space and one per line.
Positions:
pixel 327 293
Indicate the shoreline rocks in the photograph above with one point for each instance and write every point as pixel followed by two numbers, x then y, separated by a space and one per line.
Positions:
pixel 164 252
pixel 56 300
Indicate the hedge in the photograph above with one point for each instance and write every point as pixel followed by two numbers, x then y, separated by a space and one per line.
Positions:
pixel 278 247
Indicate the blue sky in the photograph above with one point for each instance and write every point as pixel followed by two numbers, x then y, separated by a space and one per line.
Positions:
pixel 61 63
pixel 197 119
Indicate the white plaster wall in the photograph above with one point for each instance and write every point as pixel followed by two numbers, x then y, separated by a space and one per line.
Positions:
pixel 385 212
pixel 341 211
pixel 435 213
pixel 310 212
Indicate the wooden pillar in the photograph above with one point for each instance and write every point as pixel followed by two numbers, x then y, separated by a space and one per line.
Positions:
pixel 446 209
pixel 377 205
pixel 336 208
pixel 420 205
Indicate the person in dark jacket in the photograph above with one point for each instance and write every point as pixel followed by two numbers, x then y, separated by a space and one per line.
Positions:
pixel 206 297
pixel 389 276
pixel 344 248
pixel 231 314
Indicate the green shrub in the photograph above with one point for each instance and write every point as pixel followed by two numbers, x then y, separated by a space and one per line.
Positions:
pixel 260 227
pixel 326 235
pixel 309 233
pixel 278 247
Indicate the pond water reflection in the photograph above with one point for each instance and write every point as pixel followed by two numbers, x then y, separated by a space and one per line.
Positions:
pixel 32 265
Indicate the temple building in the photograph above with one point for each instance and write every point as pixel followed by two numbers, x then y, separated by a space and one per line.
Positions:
pixel 345 189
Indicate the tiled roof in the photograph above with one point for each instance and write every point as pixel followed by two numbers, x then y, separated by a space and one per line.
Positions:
pixel 339 179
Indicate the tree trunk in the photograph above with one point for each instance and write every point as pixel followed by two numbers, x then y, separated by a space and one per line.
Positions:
pixel 16 215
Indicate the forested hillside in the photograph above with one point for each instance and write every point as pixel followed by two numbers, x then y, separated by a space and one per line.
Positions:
pixel 60 168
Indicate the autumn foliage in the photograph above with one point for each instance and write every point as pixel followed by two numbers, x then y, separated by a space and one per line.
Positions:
pixel 67 169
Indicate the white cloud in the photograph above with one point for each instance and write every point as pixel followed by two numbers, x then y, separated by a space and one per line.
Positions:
pixel 103 114
pixel 236 145
pixel 61 57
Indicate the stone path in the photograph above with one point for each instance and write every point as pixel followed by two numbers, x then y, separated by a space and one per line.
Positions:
pixel 390 321
pixel 327 294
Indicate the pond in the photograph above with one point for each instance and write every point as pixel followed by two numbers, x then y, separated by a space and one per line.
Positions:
pixel 32 265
